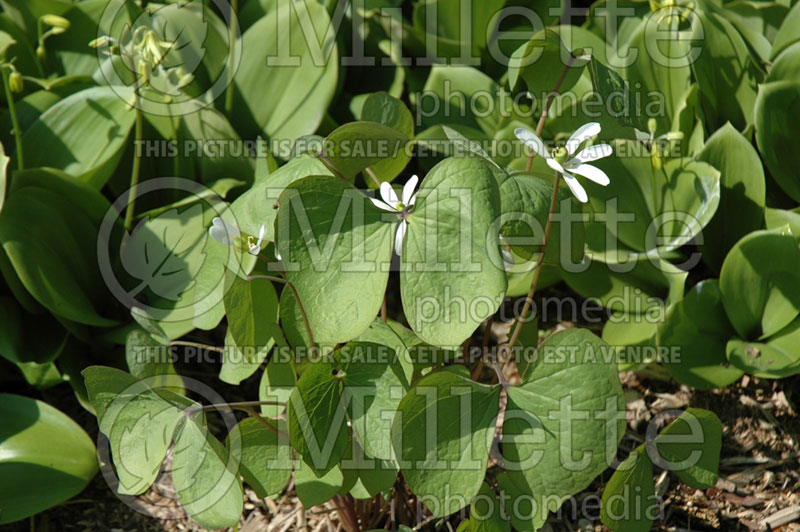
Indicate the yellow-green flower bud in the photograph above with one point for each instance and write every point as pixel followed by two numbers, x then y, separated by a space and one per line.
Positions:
pixel 651 125
pixel 41 52
pixel 100 42
pixel 560 154
pixel 56 21
pixel 15 82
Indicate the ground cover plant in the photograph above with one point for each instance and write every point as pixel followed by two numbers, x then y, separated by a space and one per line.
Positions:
pixel 304 248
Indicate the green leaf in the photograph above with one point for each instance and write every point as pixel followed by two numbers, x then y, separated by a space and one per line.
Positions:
pixel 742 192
pixel 149 359
pixel 760 283
pixel 180 268
pixel 661 69
pixel 312 489
pixel 252 311
pixel 291 55
pixel 726 72
pixel 374 476
pixel 382 108
pixel 450 18
pixel 316 416
pixel 138 422
pixel 454 227
pixel 776 104
pixel 775 359
pixel 788 32
pixel 441 437
pixel 541 62
pixel 277 383
pixel 85 134
pixel 634 285
pixel 690 448
pixel 40 446
pixel 670 206
pixel 697 328
pixel 525 201
pixel 256 207
pixel 614 90
pixel 335 250
pixel 266 462
pixel 630 488
pixel 374 383
pixel 52 246
pixel 776 218
pixel 557 437
pixel 786 66
pixel 356 146
pixel 480 108
pixel 396 337
pixel 485 513
pixel 206 476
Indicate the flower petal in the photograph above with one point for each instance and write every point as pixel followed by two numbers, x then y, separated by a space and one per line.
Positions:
pixel 555 165
pixel 585 132
pixel 261 233
pixel 592 153
pixel 591 173
pixel 575 187
pixel 399 236
pixel 381 205
pixel 255 249
pixel 532 141
pixel 408 190
pixel 413 199
pixel 223 232
pixel 389 195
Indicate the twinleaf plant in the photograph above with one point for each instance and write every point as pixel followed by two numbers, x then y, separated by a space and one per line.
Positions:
pixel 346 238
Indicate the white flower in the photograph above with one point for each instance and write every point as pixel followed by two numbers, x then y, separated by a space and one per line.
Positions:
pixel 255 249
pixel 392 204
pixel 227 233
pixel 566 162
pixel 223 232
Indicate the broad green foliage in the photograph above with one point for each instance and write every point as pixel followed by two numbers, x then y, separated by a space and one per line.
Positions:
pixel 177 181
pixel 621 495
pixel 549 452
pixel 442 435
pixel 275 97
pixel 40 446
pixel 688 447
pixel 699 327
pixel 335 248
pixel 86 134
pixel 455 223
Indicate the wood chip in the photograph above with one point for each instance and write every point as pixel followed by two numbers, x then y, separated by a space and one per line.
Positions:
pixel 783 517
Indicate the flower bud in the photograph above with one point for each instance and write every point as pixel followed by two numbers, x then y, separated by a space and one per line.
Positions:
pixel 100 42
pixel 56 21
pixel 15 82
pixel 41 52
pixel 651 125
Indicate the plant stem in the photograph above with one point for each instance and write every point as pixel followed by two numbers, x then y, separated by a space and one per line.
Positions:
pixel 538 270
pixel 255 414
pixel 547 105
pixel 12 110
pixel 372 175
pixel 137 160
pixel 237 405
pixel 232 24
pixel 300 306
